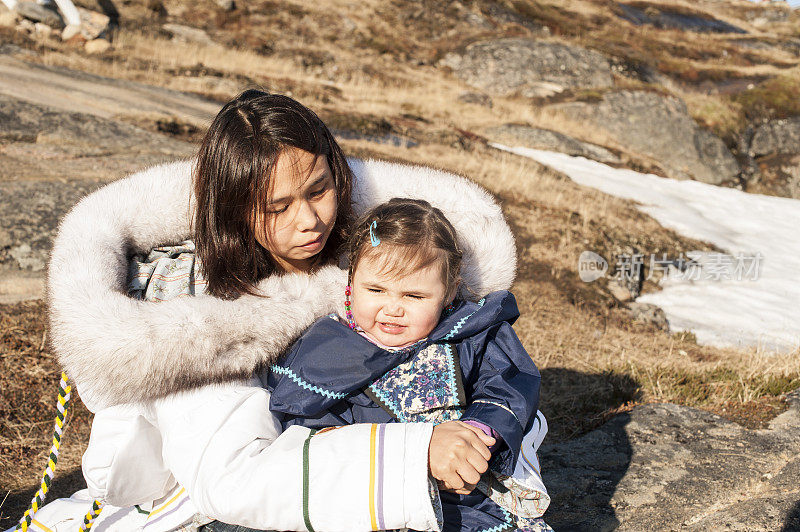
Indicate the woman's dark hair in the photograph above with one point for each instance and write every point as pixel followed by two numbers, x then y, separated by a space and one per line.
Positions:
pixel 407 235
pixel 232 185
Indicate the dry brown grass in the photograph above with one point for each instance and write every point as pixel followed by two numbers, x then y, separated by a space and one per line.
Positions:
pixel 28 388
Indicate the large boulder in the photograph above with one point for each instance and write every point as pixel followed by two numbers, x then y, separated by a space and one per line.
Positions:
pixel 669 467
pixel 545 139
pixel 529 67
pixel 777 136
pixel 659 127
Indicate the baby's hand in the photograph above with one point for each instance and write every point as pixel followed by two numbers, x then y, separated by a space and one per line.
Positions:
pixel 458 455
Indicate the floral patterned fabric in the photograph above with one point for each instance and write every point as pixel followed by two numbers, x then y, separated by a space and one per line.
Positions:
pixel 425 389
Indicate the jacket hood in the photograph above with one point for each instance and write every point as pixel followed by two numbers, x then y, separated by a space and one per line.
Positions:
pixel 469 318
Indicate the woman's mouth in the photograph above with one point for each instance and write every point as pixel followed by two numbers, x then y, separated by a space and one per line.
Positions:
pixel 391 328
pixel 314 245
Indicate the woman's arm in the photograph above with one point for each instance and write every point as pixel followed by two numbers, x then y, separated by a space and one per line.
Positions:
pixel 222 445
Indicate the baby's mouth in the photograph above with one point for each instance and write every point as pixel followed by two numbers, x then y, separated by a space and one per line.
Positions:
pixel 391 328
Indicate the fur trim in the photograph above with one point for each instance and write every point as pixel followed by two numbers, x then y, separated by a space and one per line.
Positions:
pixel 121 350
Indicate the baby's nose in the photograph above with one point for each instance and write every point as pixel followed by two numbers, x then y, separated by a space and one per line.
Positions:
pixel 394 309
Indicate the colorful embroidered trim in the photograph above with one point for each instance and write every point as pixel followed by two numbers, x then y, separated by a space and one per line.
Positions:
pixel 308 386
pixel 306 515
pixel 460 323
pixel 387 402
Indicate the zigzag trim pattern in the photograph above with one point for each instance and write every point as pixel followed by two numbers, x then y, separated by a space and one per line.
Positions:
pixel 303 384
pixel 460 323
pixel 451 372
pixel 388 402
pixel 508 525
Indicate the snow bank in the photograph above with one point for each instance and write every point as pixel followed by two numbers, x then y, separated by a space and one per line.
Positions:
pixel 764 312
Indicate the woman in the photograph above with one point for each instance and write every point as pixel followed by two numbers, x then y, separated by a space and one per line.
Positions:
pixel 269 206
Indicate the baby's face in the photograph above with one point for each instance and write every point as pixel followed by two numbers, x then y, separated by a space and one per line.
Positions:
pixel 397 311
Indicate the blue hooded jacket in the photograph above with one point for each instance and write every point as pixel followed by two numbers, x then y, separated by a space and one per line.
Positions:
pixel 333 376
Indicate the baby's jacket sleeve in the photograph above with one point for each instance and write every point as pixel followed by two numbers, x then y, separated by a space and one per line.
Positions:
pixel 502 387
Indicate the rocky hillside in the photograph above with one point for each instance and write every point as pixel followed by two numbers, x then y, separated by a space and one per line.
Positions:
pixel 641 419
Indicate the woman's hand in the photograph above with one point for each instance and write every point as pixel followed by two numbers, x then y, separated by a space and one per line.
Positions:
pixel 458 454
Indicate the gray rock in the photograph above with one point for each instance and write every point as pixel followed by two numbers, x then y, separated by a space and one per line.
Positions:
pixel 94 25
pixel 544 139
pixel 648 313
pixel 31 212
pixel 777 136
pixel 75 135
pixel 659 127
pixel 39 13
pixel 180 32
pixel 531 68
pixel 40 143
pixel 476 98
pixel 669 467
pixel 779 175
pixel 666 19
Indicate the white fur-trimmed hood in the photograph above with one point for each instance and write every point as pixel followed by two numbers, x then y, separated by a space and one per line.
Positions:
pixel 121 350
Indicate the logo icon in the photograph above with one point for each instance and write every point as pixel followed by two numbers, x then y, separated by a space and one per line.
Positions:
pixel 591 266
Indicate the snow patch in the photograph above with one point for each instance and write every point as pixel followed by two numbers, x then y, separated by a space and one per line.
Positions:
pixel 764 312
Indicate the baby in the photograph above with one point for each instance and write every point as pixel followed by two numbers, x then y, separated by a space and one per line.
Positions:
pixel 407 350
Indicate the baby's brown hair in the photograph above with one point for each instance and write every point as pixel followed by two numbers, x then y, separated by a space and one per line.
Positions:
pixel 417 234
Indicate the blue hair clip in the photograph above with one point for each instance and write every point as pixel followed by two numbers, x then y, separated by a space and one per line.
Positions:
pixel 372 236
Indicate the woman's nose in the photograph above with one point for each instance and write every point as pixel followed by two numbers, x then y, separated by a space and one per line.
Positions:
pixel 306 218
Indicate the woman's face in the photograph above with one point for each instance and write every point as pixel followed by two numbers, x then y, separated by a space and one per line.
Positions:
pixel 302 211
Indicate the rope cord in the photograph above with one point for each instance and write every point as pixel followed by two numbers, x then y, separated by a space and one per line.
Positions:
pixel 64 394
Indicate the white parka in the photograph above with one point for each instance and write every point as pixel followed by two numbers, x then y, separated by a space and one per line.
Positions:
pixel 176 371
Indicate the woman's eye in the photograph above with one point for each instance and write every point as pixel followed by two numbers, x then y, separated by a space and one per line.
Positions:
pixel 278 210
pixel 319 192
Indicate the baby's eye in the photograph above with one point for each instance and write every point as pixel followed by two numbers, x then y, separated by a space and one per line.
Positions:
pixel 415 296
pixel 374 290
